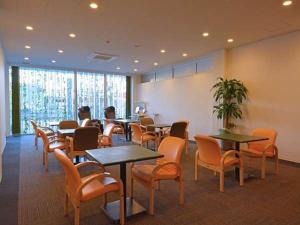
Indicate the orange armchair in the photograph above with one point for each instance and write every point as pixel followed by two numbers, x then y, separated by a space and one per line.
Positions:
pixel 138 137
pixel 48 131
pixel 209 155
pixel 49 145
pixel 166 168
pixel 105 139
pixel 263 149
pixel 81 189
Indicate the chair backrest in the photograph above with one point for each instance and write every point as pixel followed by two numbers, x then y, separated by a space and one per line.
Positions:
pixel 43 135
pixel 72 175
pixel 209 150
pixel 110 112
pixel 34 125
pixel 85 138
pixel 172 148
pixel 146 121
pixel 68 124
pixel 263 132
pixel 136 132
pixel 179 129
pixel 108 130
pixel 86 122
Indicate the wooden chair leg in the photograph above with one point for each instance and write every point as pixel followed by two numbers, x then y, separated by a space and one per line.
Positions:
pixel 221 181
pixel 151 201
pixel 187 145
pixel 66 208
pixel 241 175
pixel 181 191
pixel 77 215
pixel 131 187
pixel 215 173
pixel 196 170
pixel 263 167
pixel 122 215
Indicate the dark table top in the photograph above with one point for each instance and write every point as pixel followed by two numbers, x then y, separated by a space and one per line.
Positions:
pixel 159 125
pixel 122 154
pixel 66 131
pixel 240 138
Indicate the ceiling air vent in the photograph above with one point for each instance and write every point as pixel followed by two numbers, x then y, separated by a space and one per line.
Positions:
pixel 101 57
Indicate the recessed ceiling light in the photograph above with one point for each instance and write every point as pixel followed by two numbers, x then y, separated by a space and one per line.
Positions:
pixel 184 54
pixel 155 64
pixel 29 28
pixel 136 61
pixel 26 58
pixel 53 61
pixel 205 34
pixel 118 68
pixel 60 51
pixel 287 3
pixel 135 70
pixel 93 5
pixel 72 35
pixel 27 46
pixel 230 40
pixel 162 51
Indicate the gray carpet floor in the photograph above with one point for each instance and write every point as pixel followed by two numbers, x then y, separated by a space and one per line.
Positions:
pixel 275 200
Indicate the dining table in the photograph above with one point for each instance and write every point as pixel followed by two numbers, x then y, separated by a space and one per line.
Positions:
pixel 66 132
pixel 126 125
pixel 238 139
pixel 159 126
pixel 122 155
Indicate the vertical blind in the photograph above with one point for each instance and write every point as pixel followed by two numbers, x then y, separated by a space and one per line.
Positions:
pixel 51 95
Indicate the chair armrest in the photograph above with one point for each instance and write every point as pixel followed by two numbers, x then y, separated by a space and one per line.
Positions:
pixel 269 147
pixel 47 128
pixel 95 177
pixel 228 153
pixel 160 166
pixel 90 163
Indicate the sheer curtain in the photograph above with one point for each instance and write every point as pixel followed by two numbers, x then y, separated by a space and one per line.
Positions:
pixel 90 92
pixel 45 95
pixel 116 93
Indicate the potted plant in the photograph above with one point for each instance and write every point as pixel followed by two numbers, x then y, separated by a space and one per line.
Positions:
pixel 229 94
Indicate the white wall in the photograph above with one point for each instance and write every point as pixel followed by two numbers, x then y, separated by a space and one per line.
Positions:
pixel 2 107
pixel 187 97
pixel 271 71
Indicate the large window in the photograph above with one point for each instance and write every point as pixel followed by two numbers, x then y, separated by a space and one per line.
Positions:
pixel 90 92
pixel 54 95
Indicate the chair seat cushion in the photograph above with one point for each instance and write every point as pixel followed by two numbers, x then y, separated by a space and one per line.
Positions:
pixel 98 187
pixel 256 153
pixel 58 144
pixel 144 172
pixel 231 160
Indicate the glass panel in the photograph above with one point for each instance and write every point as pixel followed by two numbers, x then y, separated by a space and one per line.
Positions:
pixel 45 95
pixel 90 92
pixel 116 93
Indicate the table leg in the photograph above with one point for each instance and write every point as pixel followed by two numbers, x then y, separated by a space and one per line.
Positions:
pixel 131 207
pixel 129 132
pixel 237 170
pixel 126 131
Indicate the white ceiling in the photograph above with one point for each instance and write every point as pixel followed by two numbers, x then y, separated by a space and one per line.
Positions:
pixel 175 25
